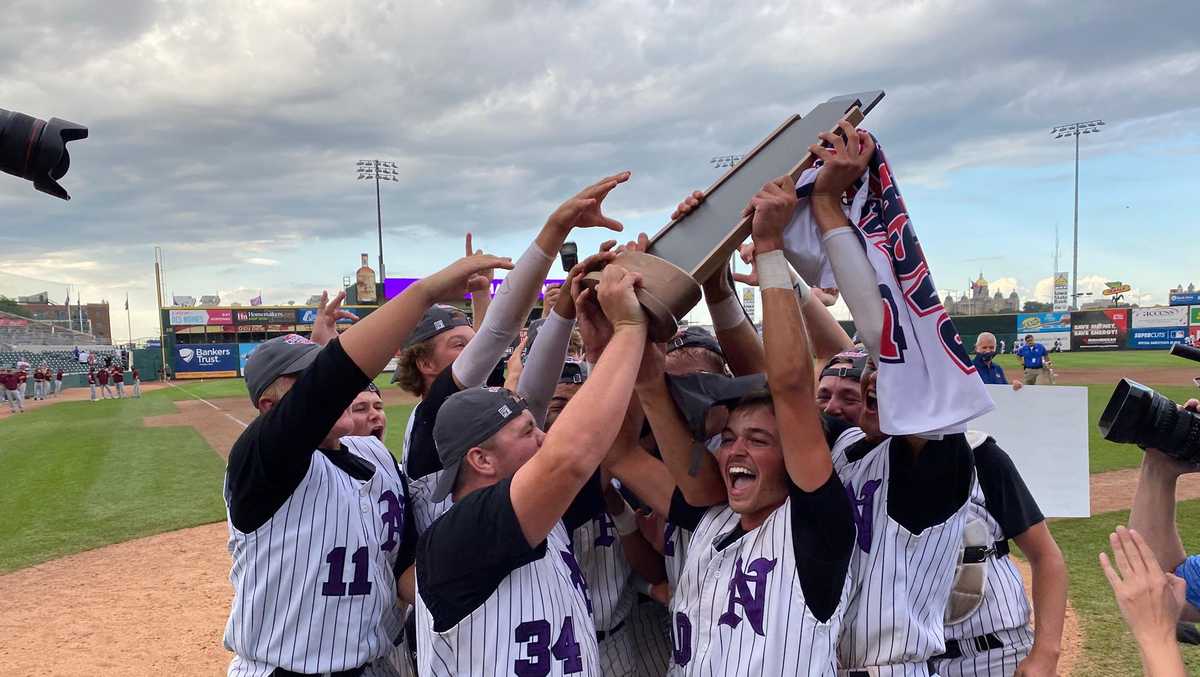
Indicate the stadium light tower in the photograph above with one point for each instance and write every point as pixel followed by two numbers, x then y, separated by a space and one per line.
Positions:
pixel 1075 129
pixel 379 171
pixel 725 161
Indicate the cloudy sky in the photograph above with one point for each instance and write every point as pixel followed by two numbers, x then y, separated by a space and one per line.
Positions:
pixel 227 132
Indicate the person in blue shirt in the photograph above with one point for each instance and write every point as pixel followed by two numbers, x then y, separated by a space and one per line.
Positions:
pixel 985 361
pixel 1033 357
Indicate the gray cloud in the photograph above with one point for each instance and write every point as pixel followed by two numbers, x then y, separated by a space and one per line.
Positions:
pixel 221 125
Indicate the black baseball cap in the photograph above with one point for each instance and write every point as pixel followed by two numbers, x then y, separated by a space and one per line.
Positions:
pixel 467 419
pixel 849 364
pixel 437 319
pixel 572 372
pixel 698 337
pixel 280 356
pixel 531 333
pixel 695 394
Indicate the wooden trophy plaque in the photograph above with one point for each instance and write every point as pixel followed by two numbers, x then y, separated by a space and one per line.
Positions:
pixel 690 249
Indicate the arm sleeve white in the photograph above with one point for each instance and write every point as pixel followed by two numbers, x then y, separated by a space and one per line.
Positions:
pixel 544 365
pixel 504 319
pixel 858 284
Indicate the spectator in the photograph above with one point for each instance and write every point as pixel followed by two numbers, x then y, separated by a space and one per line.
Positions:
pixel 1033 357
pixel 985 362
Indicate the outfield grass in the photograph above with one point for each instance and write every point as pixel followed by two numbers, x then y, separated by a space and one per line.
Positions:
pixel 1108 647
pixel 78 475
pixel 1123 359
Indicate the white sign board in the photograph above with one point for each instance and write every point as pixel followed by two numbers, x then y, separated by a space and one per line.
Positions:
pixel 1045 431
pixel 748 301
pixel 1171 316
pixel 1061 297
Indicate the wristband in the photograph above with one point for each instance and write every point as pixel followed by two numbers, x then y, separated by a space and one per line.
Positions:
pixel 625 522
pixel 727 313
pixel 773 270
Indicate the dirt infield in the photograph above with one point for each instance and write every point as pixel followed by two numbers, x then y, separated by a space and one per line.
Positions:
pixel 219 427
pixel 1159 376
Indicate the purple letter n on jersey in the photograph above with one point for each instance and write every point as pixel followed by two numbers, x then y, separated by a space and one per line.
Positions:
pixel 393 519
pixel 864 511
pixel 747 588
pixel 577 577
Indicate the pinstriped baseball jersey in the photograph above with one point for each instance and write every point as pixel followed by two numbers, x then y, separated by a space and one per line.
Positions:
pixel 536 622
pixel 314 588
pixel 901 581
pixel 675 549
pixel 1004 606
pixel 650 633
pixel 425 511
pixel 597 548
pixel 740 610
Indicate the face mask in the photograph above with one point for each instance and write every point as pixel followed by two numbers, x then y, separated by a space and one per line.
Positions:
pixel 986 357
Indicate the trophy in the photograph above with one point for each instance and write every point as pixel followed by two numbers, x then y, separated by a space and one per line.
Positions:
pixel 691 248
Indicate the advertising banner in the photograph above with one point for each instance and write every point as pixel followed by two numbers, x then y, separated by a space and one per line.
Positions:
pixel 1156 338
pixel 220 316
pixel 265 316
pixel 1106 329
pixel 1195 315
pixel 748 300
pixel 1185 298
pixel 13 322
pixel 244 350
pixel 185 318
pixel 1061 294
pixel 1052 330
pixel 205 360
pixel 309 315
pixel 393 286
pixel 1148 318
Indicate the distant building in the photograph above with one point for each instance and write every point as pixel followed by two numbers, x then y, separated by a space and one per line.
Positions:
pixel 95 317
pixel 1191 289
pixel 979 302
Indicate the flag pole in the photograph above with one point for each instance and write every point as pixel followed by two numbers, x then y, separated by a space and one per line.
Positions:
pixel 128 322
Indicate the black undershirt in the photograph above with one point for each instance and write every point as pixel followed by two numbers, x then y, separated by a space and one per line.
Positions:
pixel 822 539
pixel 421 457
pixel 926 490
pixel 1005 495
pixel 468 552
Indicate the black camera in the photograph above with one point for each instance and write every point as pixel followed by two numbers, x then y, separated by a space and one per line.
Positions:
pixel 1138 415
pixel 36 150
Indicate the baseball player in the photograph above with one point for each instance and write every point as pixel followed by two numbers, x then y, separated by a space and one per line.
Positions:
pixel 22 388
pixel 58 377
pixel 499 590
pixel 765 580
pixel 370 419
pixel 103 376
pixel 319 532
pixel 987 623
pixel 91 379
pixel 137 382
pixel 11 381
pixel 118 377
pixel 445 355
pixel 39 383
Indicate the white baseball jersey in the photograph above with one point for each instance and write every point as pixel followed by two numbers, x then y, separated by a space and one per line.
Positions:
pixel 901 581
pixel 649 626
pixel 314 588
pixel 1004 604
pixel 675 549
pixel 425 511
pixel 741 610
pixel 597 548
pixel 536 622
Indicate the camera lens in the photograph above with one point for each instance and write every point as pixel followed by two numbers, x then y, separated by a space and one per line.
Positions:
pixel 36 150
pixel 1138 415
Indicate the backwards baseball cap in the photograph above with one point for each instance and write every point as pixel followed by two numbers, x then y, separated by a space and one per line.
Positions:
pixel 467 419
pixel 572 372
pixel 280 356
pixel 697 337
pixel 849 364
pixel 437 319
pixel 695 394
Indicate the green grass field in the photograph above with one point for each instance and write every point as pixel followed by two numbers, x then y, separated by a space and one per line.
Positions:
pixel 1123 359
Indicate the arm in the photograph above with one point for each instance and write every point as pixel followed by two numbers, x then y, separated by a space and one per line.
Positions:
pixel 1049 599
pixel 642 558
pixel 519 291
pixel 544 487
pixel 328 314
pixel 789 363
pixel 1149 599
pixel 738 338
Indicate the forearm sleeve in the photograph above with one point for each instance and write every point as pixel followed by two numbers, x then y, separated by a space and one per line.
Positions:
pixel 505 317
pixel 858 285
pixel 544 365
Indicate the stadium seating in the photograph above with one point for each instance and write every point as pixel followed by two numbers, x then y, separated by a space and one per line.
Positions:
pixel 38 333
pixel 58 359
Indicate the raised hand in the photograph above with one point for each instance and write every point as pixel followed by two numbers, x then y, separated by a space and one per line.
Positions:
pixel 772 209
pixel 451 282
pixel 1149 599
pixel 844 163
pixel 689 203
pixel 616 296
pixel 564 303
pixel 325 324
pixel 482 281
pixel 583 210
